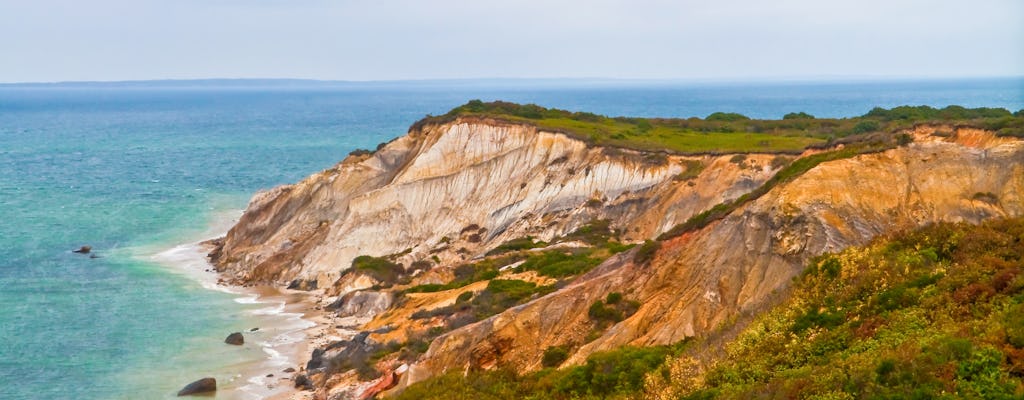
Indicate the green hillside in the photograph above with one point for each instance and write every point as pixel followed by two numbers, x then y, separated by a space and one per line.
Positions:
pixel 934 313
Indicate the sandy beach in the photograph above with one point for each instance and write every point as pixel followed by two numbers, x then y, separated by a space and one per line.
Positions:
pixel 286 322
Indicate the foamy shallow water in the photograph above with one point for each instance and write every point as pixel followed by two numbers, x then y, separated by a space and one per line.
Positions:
pixel 280 328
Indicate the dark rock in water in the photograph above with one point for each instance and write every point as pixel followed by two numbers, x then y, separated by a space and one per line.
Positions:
pixel 302 382
pixel 289 370
pixel 83 250
pixel 94 256
pixel 254 329
pixel 235 339
pixel 270 375
pixel 204 385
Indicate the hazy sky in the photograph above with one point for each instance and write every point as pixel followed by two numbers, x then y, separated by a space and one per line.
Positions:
pixel 59 40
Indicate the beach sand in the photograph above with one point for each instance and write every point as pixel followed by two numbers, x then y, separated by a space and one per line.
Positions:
pixel 287 323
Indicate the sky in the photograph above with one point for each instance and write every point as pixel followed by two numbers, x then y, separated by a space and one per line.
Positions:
pixel 109 40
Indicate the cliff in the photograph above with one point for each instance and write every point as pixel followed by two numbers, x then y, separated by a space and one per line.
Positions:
pixel 456 190
pixel 452 193
pixel 732 267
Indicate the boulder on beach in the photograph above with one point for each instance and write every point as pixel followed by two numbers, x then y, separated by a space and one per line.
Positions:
pixel 302 382
pixel 235 338
pixel 204 385
pixel 289 370
pixel 83 250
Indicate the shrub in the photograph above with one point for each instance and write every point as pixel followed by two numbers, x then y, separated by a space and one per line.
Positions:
pixel 646 252
pixel 601 314
pixel 464 297
pixel 378 268
pixel 724 116
pixel 523 243
pixel 692 171
pixel 554 356
pixel 866 126
pixel 559 264
pixel 798 115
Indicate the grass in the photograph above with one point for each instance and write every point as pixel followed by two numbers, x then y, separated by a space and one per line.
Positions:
pixel 727 132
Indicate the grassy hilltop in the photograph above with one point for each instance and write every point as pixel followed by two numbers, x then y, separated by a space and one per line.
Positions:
pixel 730 132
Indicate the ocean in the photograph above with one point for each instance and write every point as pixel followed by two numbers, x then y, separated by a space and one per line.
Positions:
pixel 142 171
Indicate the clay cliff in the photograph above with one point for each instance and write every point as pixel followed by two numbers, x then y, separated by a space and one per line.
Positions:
pixel 418 195
pixel 449 193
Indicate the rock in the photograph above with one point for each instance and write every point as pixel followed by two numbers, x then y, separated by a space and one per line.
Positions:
pixel 235 338
pixel 316 360
pixel 204 385
pixel 270 375
pixel 254 329
pixel 289 370
pixel 303 284
pixel 302 382
pixel 83 250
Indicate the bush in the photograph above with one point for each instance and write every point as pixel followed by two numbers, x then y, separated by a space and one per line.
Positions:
pixel 798 115
pixel 602 315
pixel 646 252
pixel 464 297
pixel 523 243
pixel 866 126
pixel 554 356
pixel 559 264
pixel 378 268
pixel 728 117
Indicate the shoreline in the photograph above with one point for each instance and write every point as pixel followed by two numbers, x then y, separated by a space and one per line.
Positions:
pixel 288 321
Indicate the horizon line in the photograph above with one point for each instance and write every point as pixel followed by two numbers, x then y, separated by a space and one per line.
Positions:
pixel 324 82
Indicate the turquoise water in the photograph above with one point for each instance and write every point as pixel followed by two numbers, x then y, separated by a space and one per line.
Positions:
pixel 134 170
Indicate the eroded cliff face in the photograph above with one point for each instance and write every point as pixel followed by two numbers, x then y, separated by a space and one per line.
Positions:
pixel 450 192
pixel 701 280
pixel 446 194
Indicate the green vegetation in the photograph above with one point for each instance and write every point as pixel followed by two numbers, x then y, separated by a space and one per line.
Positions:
pixel 646 252
pixel 692 171
pixel 613 309
pixel 728 132
pixel 798 115
pixel 560 264
pixel 613 374
pixel 379 268
pixel 500 295
pixel 466 274
pixel 525 243
pixel 936 313
pixel 554 356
